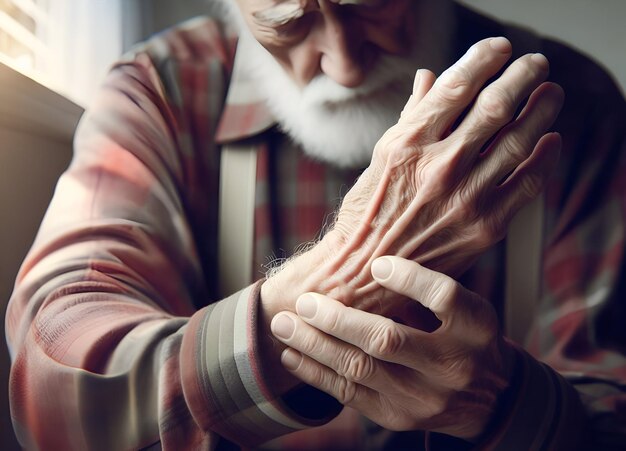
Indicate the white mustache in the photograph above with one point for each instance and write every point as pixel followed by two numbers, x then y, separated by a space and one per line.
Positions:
pixel 322 90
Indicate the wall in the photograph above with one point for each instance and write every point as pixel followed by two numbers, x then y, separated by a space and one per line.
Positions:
pixel 594 26
pixel 36 128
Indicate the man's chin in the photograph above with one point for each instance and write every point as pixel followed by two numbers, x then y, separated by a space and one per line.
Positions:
pixel 343 134
pixel 338 125
pixel 342 153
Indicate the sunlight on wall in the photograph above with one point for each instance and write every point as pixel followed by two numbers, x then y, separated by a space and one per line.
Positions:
pixel 595 27
pixel 67 45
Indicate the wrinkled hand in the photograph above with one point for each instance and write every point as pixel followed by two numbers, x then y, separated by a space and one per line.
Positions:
pixel 434 191
pixel 442 186
pixel 402 378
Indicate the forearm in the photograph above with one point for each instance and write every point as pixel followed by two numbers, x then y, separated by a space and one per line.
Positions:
pixel 126 374
pixel 279 292
pixel 102 325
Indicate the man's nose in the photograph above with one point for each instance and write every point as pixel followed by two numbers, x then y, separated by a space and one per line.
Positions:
pixel 340 43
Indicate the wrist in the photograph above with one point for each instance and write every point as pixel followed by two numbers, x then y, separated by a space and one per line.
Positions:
pixel 300 274
pixel 278 293
pixel 324 269
pixel 334 267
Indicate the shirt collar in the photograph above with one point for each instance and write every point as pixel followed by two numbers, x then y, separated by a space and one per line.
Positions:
pixel 245 112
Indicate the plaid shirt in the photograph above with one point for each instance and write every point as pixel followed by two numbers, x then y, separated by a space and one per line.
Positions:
pixel 121 339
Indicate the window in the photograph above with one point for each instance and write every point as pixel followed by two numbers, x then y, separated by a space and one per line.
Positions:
pixel 67 45
pixel 23 27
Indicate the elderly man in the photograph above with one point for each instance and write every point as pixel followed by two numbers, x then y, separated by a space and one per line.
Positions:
pixel 119 329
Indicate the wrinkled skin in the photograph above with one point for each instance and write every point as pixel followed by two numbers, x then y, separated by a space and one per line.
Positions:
pixel 401 377
pixel 333 37
pixel 441 188
pixel 432 192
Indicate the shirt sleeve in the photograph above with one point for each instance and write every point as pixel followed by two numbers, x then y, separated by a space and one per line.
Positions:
pixel 109 351
pixel 223 379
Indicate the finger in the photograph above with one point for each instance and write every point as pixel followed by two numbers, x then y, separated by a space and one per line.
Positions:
pixel 394 412
pixel 497 103
pixel 516 142
pixel 358 335
pixel 424 80
pixel 347 360
pixel 377 336
pixel 345 391
pixel 458 309
pixel 457 87
pixel 403 356
pixel 529 179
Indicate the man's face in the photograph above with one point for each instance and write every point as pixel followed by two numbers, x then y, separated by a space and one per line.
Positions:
pixel 337 73
pixel 341 39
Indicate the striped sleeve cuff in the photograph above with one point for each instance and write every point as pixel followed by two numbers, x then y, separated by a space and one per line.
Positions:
pixel 224 386
pixel 544 412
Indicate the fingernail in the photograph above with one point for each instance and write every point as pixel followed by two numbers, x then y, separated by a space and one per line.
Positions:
pixel 500 44
pixel 283 326
pixel 306 306
pixel 540 60
pixel 291 359
pixel 382 268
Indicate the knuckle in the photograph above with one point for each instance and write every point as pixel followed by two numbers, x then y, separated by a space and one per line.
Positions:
pixel 454 85
pixel 345 391
pixel 357 367
pixel 386 339
pixel 395 149
pixel 397 152
pixel 495 106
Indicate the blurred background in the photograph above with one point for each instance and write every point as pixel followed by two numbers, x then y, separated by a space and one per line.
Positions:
pixel 69 44
pixel 54 54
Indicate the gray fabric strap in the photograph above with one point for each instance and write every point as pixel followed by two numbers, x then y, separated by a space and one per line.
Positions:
pixel 523 269
pixel 236 216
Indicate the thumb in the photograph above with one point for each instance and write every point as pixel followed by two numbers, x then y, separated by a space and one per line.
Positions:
pixel 433 290
pixel 454 305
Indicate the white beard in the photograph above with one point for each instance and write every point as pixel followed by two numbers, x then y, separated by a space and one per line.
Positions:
pixel 333 123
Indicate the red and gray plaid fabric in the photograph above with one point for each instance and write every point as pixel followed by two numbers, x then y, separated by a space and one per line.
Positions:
pixel 117 329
